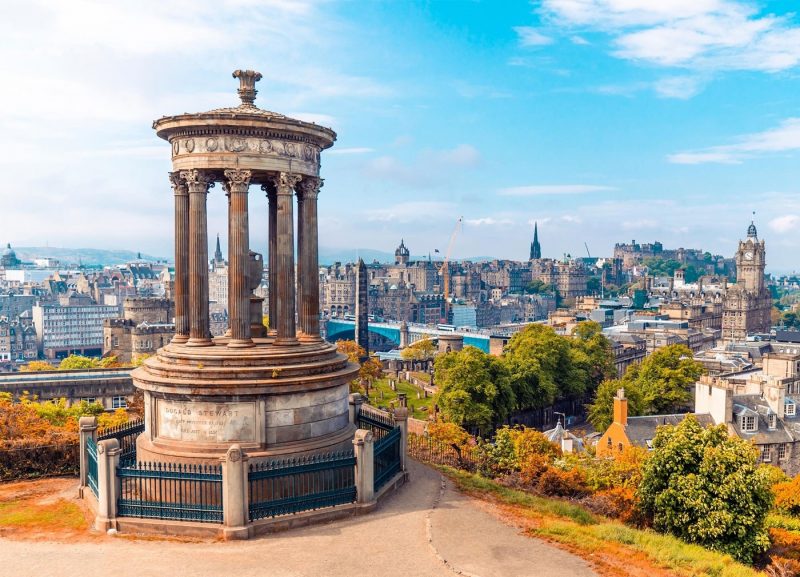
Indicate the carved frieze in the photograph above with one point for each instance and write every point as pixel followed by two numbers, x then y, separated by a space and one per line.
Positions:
pixel 250 145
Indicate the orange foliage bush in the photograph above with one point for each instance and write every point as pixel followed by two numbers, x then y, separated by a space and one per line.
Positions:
pixel 618 503
pixel 557 483
pixel 532 467
pixel 787 496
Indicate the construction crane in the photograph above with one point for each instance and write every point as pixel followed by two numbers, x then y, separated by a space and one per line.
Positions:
pixel 444 270
pixel 587 249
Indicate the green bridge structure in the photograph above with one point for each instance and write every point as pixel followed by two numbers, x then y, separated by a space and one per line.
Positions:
pixel 344 329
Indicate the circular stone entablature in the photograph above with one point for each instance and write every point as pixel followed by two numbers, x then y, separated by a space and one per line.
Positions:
pixel 245 137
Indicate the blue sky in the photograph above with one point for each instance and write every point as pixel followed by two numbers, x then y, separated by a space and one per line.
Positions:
pixel 603 120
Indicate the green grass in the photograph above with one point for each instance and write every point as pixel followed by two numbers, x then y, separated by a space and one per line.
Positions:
pixel 27 515
pixel 414 405
pixel 573 525
pixel 782 521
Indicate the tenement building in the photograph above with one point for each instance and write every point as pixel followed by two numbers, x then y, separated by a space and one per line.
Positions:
pixel 748 303
pixel 74 324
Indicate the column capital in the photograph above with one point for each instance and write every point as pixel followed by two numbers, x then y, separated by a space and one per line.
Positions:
pixel 237 180
pixel 198 180
pixel 308 187
pixel 178 184
pixel 282 182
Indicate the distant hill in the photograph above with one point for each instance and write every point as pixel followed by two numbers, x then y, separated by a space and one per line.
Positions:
pixel 85 256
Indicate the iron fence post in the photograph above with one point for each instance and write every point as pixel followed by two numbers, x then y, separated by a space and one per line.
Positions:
pixel 108 452
pixel 365 469
pixel 401 420
pixel 235 506
pixel 88 430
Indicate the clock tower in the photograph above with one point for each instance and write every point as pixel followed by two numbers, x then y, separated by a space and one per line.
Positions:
pixel 747 303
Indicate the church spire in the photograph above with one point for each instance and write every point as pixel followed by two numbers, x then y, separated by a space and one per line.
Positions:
pixel 536 249
pixel 218 252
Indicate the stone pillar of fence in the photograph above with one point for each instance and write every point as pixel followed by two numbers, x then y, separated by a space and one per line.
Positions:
pixel 364 449
pixel 88 429
pixel 400 416
pixel 108 453
pixel 235 503
pixel 356 400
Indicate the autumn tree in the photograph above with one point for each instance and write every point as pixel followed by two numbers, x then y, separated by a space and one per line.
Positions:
pixel 474 388
pixel 36 366
pixel 594 351
pixel 421 350
pixel 706 487
pixel 369 371
pixel 74 362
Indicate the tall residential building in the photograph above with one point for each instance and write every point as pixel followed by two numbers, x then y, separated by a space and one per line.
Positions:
pixel 73 325
pixel 536 249
pixel 748 303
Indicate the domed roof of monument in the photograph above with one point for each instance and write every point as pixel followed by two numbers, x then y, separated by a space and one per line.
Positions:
pixel 8 251
pixel 751 230
pixel 244 116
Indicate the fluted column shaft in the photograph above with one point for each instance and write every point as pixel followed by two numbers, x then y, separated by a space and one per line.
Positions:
pixel 284 259
pixel 308 251
pixel 272 225
pixel 181 286
pixel 238 182
pixel 198 182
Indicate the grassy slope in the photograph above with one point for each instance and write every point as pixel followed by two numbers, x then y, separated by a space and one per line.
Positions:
pixel 598 538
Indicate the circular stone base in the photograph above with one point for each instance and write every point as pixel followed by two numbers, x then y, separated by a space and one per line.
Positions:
pixel 270 400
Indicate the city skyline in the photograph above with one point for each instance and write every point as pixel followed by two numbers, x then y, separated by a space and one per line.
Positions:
pixel 581 115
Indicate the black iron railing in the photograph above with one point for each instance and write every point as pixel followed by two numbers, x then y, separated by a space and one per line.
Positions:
pixel 126 435
pixel 180 492
pixel 387 457
pixel 283 487
pixel 91 473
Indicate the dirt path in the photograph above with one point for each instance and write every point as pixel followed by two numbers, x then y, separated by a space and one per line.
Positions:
pixel 426 530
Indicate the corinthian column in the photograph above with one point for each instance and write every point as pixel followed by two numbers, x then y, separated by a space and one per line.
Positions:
pixel 198 182
pixel 308 255
pixel 283 184
pixel 238 182
pixel 272 225
pixel 181 288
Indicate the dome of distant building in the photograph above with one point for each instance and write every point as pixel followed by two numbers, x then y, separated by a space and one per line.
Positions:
pixel 402 254
pixel 8 258
pixel 751 230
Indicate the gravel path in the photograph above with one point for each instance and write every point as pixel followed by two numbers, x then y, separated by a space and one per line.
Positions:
pixel 427 529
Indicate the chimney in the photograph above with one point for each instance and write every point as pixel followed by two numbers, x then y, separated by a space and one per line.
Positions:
pixel 621 408
pixel 775 395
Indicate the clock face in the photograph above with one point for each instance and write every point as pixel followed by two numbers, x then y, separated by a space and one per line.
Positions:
pixel 748 255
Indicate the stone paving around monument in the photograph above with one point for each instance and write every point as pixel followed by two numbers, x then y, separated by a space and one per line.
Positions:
pixel 426 529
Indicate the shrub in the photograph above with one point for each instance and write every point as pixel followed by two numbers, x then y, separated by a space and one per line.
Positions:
pixel 705 487
pixel 618 503
pixel 787 496
pixel 556 483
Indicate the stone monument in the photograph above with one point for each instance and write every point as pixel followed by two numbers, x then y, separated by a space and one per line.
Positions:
pixel 272 393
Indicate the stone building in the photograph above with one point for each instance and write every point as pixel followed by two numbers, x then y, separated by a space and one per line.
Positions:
pixel 17 340
pixel 338 290
pixel 218 281
pixel 748 303
pixel 8 258
pixel 72 325
pixel 146 325
pixel 568 276
pixel 536 248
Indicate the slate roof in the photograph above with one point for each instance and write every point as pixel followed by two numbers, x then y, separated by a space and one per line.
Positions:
pixel 754 404
pixel 642 429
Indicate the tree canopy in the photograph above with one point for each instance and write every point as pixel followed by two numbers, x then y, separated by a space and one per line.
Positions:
pixel 474 388
pixel 601 410
pixel 421 350
pixel 706 487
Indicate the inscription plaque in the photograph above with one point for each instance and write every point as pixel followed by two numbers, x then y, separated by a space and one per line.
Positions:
pixel 206 422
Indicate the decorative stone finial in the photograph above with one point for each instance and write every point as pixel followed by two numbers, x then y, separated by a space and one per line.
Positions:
pixel 247 85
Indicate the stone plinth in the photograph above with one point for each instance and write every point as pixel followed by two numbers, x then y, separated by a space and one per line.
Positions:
pixel 270 400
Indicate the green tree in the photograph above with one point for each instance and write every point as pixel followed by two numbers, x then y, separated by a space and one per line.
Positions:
pixel 601 409
pixel 74 362
pixel 790 320
pixel 707 488
pixel 544 366
pixel 537 286
pixel 588 339
pixel 474 388
pixel 665 379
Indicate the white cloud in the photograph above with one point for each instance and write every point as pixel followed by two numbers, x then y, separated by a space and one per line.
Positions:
pixel 354 150
pixel 786 223
pixel 784 138
pixel 529 36
pixel 412 211
pixel 680 87
pixel 461 155
pixel 552 189
pixel 579 40
pixel 430 168
pixel 488 221
pixel 696 34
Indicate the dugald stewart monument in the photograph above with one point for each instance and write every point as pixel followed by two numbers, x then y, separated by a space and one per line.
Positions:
pixel 279 392
pixel 254 430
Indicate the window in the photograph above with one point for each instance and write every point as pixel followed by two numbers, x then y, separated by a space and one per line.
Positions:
pixel 119 402
pixel 790 409
pixel 773 421
pixel 766 457
pixel 88 399
pixel 781 451
pixel 748 423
